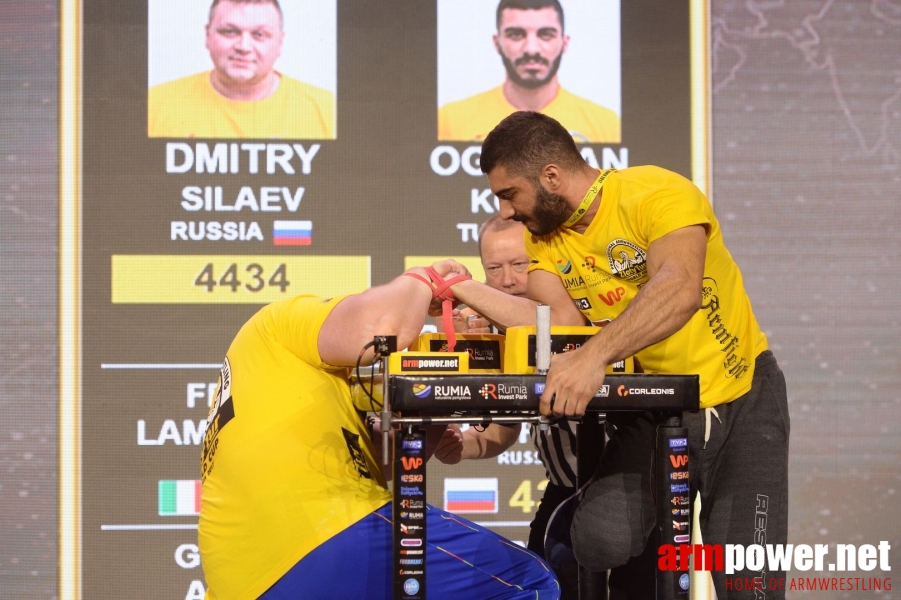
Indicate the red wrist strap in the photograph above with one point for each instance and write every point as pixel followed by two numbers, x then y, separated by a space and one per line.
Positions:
pixel 422 279
pixel 447 297
pixel 444 293
pixel 443 290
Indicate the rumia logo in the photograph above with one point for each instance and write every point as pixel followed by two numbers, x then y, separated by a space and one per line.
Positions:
pixel 590 263
pixel 564 266
pixel 489 390
pixel 678 461
pixel 613 296
pixel 410 462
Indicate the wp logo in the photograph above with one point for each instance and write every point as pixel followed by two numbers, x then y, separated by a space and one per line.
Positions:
pixel 411 462
pixel 613 296
pixel 678 461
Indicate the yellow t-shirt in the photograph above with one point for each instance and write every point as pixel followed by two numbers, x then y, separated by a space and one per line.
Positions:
pixel 603 269
pixel 473 118
pixel 286 461
pixel 191 108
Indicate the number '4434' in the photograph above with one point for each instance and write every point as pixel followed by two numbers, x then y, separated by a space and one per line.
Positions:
pixel 253 278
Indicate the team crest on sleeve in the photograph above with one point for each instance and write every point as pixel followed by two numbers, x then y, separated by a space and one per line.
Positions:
pixel 627 260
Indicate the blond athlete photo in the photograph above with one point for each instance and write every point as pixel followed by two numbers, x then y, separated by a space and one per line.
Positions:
pixel 243 94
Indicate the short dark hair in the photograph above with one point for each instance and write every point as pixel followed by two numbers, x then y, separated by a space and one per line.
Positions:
pixel 496 223
pixel 525 142
pixel 272 2
pixel 529 5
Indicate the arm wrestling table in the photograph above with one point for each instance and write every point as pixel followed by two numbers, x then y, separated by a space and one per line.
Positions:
pixel 445 396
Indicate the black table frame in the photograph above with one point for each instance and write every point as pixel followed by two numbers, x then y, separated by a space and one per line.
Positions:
pixel 666 396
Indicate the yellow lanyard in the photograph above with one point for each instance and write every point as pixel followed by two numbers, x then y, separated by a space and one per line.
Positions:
pixel 589 198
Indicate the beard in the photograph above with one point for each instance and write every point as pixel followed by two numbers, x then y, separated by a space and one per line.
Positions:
pixel 530 83
pixel 550 212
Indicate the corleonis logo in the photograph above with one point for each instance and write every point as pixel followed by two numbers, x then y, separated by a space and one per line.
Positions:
pixel 564 266
pixel 624 391
pixel 613 296
pixel 421 390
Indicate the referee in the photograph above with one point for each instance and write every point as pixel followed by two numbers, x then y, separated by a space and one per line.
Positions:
pixel 503 254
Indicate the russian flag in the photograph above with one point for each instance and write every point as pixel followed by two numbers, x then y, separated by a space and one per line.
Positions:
pixel 292 233
pixel 471 495
pixel 179 497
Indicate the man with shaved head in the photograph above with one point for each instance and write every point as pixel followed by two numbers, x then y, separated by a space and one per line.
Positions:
pixel 243 96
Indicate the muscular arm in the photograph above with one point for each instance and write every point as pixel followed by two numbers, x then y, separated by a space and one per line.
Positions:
pixel 547 288
pixel 459 445
pixel 489 442
pixel 665 303
pixel 504 310
pixel 396 308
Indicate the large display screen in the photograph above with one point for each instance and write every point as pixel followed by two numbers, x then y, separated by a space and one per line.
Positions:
pixel 362 158
pixel 804 176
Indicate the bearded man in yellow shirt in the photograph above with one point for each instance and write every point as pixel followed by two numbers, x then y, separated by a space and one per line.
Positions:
pixel 531 41
pixel 243 96
pixel 640 253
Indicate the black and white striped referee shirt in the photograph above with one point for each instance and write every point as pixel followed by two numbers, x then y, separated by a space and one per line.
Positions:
pixel 556 447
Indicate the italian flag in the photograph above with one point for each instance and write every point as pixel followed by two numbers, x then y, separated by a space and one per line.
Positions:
pixel 179 498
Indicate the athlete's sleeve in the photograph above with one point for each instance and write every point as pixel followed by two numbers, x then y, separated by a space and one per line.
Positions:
pixel 297 322
pixel 677 204
pixel 540 256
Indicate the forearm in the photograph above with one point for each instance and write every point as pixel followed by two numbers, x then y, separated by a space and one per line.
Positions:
pixel 662 307
pixel 398 308
pixel 489 442
pixel 503 310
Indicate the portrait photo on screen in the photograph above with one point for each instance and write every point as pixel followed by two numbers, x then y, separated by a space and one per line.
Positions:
pixel 559 57
pixel 242 69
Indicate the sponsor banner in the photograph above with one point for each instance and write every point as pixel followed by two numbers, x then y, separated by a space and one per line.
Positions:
pixel 429 363
pixel 678 460
pixel 411 446
pixel 483 354
pixel 775 558
pixel 678 444
pixel 509 391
